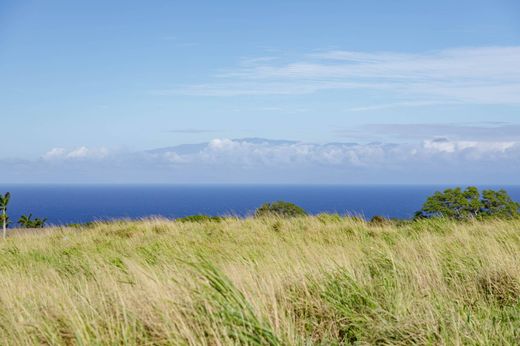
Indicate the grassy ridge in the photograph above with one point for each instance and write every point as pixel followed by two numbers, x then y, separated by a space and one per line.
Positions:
pixel 312 280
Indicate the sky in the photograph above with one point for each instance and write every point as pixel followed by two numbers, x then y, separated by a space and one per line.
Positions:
pixel 343 92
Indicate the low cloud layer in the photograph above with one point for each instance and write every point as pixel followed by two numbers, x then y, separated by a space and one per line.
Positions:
pixel 243 152
pixel 221 160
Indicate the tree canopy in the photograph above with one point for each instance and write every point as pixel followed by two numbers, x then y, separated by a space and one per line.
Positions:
pixel 26 221
pixel 469 204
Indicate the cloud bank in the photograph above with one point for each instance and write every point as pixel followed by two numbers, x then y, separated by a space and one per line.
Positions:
pixel 245 153
pixel 254 160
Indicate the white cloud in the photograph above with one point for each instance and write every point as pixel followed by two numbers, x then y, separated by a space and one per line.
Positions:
pixel 75 154
pixel 54 153
pixel 78 153
pixel 471 75
pixel 246 153
pixel 257 152
pixel 249 160
pixel 475 150
pixel 444 145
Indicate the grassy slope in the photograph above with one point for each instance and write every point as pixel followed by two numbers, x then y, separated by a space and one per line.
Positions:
pixel 315 280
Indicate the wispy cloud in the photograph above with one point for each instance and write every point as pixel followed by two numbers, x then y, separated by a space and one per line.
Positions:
pixel 483 131
pixel 191 131
pixel 403 104
pixel 468 75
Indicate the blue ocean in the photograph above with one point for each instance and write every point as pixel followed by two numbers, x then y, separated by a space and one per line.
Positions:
pixel 63 204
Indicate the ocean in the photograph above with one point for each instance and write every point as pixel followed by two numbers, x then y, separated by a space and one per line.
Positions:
pixel 62 204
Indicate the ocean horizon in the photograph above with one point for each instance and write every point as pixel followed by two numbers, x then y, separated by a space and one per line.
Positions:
pixel 75 203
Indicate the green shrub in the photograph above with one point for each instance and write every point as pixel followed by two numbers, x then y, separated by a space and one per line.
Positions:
pixel 280 208
pixel 200 218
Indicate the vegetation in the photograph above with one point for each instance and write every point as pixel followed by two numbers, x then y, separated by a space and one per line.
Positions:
pixel 378 220
pixel 323 280
pixel 4 201
pixel 469 204
pixel 280 209
pixel 199 218
pixel 26 221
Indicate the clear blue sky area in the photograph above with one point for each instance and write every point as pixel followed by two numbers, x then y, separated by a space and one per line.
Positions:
pixel 354 91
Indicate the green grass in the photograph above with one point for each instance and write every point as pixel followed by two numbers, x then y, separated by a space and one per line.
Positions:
pixel 323 280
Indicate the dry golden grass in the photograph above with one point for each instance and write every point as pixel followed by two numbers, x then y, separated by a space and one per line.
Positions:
pixel 323 280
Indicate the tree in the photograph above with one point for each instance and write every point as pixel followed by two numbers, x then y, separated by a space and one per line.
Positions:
pixel 4 201
pixel 499 204
pixel 452 203
pixel 280 208
pixel 468 204
pixel 26 221
pixel 39 223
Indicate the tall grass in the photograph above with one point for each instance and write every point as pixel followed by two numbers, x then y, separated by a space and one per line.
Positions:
pixel 323 280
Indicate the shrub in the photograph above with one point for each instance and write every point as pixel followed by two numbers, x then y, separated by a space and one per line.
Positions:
pixel 200 218
pixel 379 220
pixel 280 208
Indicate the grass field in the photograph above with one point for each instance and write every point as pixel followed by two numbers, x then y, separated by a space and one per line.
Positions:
pixel 321 280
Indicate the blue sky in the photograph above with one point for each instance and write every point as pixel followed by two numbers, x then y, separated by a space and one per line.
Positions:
pixel 360 92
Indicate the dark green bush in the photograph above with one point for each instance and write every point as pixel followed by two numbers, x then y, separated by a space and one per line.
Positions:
pixel 280 208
